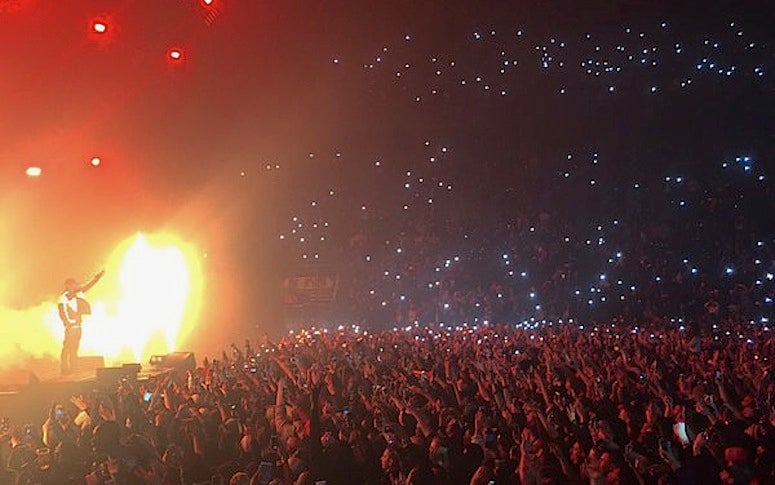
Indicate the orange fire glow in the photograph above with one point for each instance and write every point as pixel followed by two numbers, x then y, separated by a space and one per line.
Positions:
pixel 147 303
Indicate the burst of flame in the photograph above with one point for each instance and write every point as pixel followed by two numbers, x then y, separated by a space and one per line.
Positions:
pixel 147 303
pixel 154 285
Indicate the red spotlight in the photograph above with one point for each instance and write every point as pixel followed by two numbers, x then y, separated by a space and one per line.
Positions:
pixel 210 9
pixel 99 27
pixel 102 28
pixel 95 162
pixel 175 55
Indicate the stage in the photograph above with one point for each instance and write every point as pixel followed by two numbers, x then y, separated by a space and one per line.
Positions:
pixel 28 391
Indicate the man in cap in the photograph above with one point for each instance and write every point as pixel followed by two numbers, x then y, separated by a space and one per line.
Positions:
pixel 72 307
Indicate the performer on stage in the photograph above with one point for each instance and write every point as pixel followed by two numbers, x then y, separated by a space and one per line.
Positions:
pixel 72 307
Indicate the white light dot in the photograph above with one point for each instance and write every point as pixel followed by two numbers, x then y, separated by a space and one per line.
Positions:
pixel 33 171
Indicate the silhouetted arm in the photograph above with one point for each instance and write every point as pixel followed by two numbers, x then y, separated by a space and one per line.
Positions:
pixel 92 281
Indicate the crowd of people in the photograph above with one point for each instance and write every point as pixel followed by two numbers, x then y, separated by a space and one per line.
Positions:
pixel 504 339
pixel 661 246
pixel 521 315
pixel 626 344
pixel 562 403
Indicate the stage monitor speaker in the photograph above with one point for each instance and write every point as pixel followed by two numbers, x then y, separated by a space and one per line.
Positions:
pixel 133 368
pixel 110 377
pixel 181 361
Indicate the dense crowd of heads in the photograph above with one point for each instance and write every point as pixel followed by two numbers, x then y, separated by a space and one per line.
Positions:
pixel 595 245
pixel 563 403
pixel 665 247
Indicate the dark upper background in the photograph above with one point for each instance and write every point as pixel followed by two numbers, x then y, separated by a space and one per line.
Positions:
pixel 261 86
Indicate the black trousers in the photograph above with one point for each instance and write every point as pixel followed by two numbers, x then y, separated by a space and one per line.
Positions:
pixel 70 348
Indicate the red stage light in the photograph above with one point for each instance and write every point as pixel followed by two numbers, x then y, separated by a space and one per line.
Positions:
pixel 102 28
pixel 211 9
pixel 175 54
pixel 95 162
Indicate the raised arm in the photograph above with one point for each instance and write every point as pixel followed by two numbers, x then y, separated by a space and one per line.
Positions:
pixel 93 281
